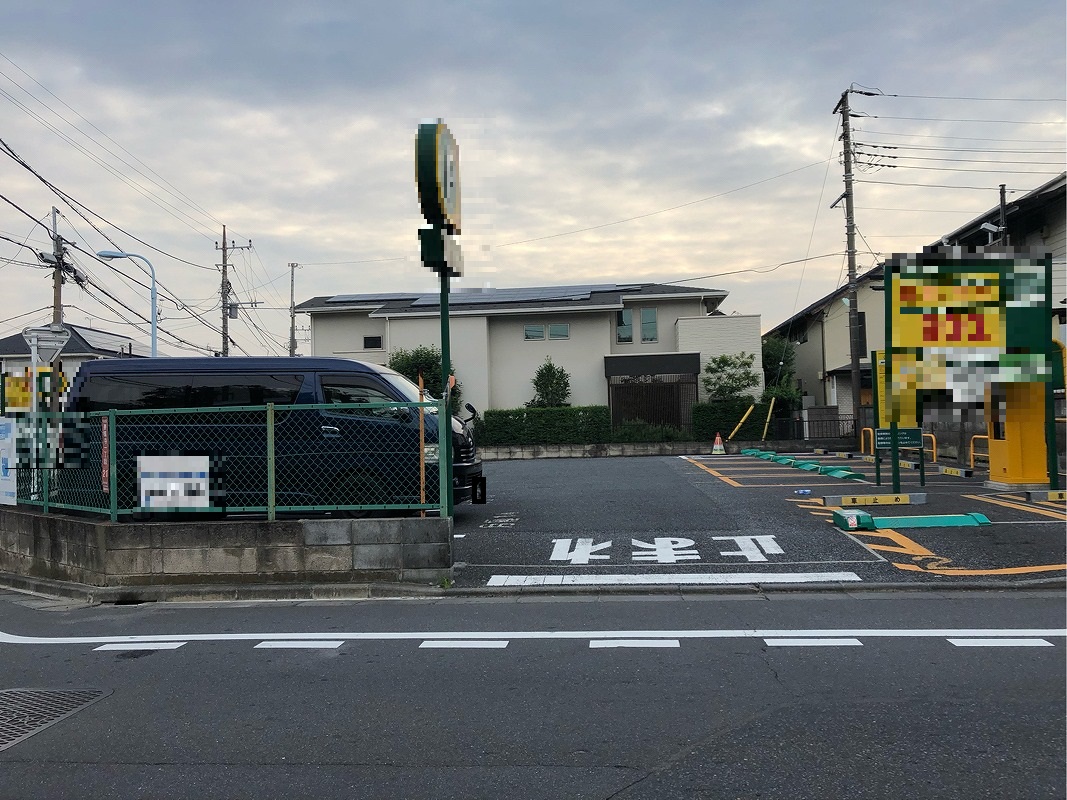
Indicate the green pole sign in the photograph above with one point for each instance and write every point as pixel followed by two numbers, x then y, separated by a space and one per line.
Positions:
pixel 437 179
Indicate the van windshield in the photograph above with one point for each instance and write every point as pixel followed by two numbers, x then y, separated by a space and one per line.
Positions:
pixel 408 390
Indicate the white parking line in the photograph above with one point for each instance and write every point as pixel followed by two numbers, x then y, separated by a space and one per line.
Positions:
pixel 476 644
pixel 140 646
pixel 672 579
pixel 594 643
pixel 1001 643
pixel 841 642
pixel 321 644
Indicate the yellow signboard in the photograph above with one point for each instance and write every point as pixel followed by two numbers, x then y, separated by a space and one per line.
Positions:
pixel 875 500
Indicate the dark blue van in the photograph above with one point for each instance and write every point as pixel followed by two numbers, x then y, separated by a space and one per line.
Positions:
pixel 323 458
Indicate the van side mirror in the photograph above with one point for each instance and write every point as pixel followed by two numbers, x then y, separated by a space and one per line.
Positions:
pixel 473 412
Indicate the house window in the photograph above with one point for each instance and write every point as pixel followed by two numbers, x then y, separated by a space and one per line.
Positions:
pixel 372 342
pixel 648 325
pixel 624 326
pixel 533 332
pixel 559 330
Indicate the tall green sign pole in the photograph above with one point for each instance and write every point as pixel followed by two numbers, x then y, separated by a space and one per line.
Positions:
pixel 437 178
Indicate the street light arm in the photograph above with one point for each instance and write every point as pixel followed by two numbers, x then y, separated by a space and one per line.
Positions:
pixel 107 255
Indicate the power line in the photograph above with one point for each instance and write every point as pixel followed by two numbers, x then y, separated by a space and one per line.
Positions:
pixel 938 185
pixel 953 119
pixel 665 210
pixel 941 136
pixel 759 270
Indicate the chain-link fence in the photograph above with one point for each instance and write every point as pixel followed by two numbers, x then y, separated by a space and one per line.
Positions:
pixel 344 458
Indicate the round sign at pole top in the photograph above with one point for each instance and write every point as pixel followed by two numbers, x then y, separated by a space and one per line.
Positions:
pixel 437 174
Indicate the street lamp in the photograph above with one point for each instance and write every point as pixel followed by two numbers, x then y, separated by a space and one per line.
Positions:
pixel 107 255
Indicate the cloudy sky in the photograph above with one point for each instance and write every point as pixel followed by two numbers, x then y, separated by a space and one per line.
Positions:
pixel 600 142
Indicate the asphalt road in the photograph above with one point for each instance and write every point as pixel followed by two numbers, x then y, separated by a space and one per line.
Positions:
pixel 880 695
pixel 726 520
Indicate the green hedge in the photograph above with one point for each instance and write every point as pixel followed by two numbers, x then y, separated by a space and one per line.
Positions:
pixel 567 425
pixel 722 417
pixel 592 425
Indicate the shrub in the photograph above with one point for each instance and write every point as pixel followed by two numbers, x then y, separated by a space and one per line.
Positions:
pixel 566 425
pixel 722 416
pixel 552 386
pixel 427 361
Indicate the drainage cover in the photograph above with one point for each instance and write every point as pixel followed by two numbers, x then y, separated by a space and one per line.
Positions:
pixel 24 712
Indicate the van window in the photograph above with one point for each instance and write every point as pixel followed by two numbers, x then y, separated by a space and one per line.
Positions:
pixel 136 392
pixel 355 389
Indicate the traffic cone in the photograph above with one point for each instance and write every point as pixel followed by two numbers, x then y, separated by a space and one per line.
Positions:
pixel 717 449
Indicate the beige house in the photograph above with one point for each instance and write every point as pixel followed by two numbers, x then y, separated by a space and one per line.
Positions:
pixel 604 335
pixel 820 332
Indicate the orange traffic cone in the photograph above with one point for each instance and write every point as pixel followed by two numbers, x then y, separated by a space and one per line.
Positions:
pixel 717 449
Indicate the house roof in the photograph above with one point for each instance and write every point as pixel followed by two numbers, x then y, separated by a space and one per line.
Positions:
pixel 83 342
pixel 968 234
pixel 585 297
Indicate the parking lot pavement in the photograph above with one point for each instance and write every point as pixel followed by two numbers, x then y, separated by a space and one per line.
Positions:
pixel 740 520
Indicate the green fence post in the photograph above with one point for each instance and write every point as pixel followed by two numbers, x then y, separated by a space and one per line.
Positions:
pixel 113 467
pixel 270 462
pixel 444 434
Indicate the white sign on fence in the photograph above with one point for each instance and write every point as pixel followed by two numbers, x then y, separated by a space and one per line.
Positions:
pixel 7 461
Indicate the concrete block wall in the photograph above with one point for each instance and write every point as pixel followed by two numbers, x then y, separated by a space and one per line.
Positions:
pixel 246 551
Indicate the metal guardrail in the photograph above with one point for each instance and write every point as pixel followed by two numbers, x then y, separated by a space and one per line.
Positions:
pixel 970 447
pixel 350 457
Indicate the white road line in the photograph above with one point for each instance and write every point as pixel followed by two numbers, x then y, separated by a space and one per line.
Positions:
pixel 140 646
pixel 477 644
pixel 594 643
pixel 177 640
pixel 459 536
pixel 838 642
pixel 309 644
pixel 1001 643
pixel 671 579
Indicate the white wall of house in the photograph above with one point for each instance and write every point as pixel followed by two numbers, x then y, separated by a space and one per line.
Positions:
pixel 668 312
pixel 721 335
pixel 515 359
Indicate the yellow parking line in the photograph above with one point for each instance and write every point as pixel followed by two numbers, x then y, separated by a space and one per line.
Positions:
pixel 1016 506
pixel 1002 571
pixel 710 471
pixel 1051 504
pixel 905 545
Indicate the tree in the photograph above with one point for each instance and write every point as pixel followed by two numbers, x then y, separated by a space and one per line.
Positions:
pixel 552 386
pixel 728 377
pixel 426 360
pixel 779 363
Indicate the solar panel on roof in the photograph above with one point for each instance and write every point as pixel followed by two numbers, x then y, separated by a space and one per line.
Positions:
pixel 532 294
pixel 370 298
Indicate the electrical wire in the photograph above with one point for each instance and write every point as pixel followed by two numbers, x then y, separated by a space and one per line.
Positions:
pixel 942 136
pixel 665 210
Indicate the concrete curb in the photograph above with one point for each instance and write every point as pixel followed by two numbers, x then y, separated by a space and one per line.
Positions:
pixel 134 595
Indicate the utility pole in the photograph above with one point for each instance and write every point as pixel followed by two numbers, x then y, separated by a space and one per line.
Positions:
pixel 57 271
pixel 224 289
pixel 855 346
pixel 292 308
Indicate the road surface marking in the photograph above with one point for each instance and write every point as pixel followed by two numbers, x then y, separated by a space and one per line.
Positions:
pixel 140 646
pixel 310 644
pixel 1001 643
pixel 1017 506
pixel 1000 571
pixel 672 579
pixel 177 640
pixel 473 644
pixel 594 643
pixel 839 642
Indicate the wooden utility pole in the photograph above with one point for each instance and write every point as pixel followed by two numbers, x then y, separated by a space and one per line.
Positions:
pixel 224 289
pixel 292 308
pixel 57 271
pixel 855 346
